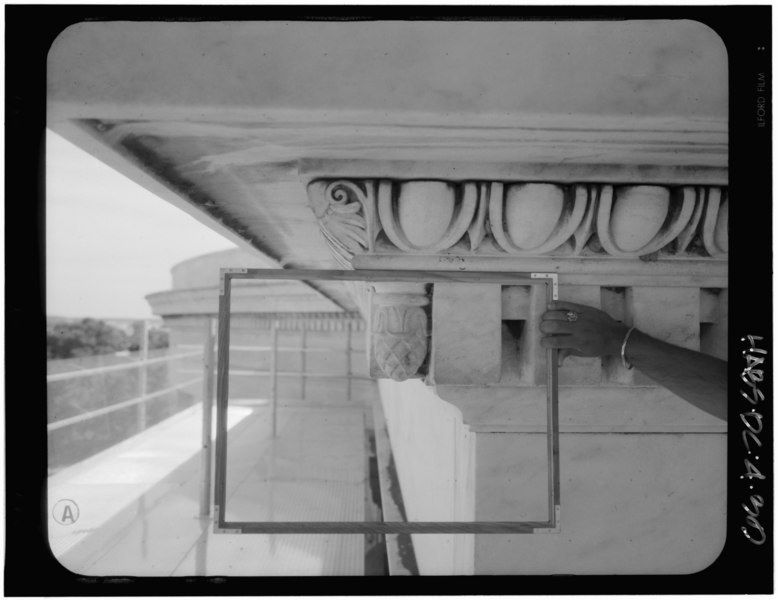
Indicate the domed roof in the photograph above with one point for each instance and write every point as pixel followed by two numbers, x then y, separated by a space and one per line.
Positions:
pixel 203 271
pixel 196 289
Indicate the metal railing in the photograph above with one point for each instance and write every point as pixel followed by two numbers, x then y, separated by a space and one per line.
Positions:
pixel 207 351
pixel 274 373
pixel 303 349
pixel 142 364
pixel 122 367
pixel 118 406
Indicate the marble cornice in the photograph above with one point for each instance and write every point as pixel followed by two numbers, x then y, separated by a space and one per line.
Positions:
pixel 522 219
pixel 594 235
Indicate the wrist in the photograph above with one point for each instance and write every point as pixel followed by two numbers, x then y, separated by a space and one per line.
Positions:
pixel 617 339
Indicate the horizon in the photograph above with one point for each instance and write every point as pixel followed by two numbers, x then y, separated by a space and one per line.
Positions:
pixel 106 319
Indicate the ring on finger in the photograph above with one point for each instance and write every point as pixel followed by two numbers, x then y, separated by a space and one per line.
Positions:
pixel 571 316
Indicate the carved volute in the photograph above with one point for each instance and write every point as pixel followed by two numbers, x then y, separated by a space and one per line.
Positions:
pixel 345 211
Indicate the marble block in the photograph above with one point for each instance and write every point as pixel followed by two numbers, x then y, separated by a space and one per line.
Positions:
pixel 591 409
pixel 515 302
pixel 466 334
pixel 435 456
pixel 631 504
pixel 714 331
pixel 532 356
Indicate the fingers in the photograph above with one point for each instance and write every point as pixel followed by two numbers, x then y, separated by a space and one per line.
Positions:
pixel 558 310
pixel 564 353
pixel 558 341
pixel 565 306
pixel 561 356
pixel 556 327
pixel 555 315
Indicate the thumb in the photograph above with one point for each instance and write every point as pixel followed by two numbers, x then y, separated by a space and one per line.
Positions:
pixel 562 356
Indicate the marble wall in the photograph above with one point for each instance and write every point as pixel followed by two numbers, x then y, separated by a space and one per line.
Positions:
pixel 434 455
pixel 632 502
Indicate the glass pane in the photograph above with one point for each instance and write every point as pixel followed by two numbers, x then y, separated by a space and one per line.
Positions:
pixel 301 454
pixel 316 450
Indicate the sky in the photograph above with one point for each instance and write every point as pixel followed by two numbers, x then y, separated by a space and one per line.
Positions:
pixel 110 242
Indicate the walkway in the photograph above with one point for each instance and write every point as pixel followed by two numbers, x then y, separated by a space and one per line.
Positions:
pixel 138 502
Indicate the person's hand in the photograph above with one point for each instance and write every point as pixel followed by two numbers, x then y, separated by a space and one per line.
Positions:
pixel 580 330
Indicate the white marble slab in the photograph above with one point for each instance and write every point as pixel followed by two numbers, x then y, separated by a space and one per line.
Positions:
pixel 113 480
pixel 435 460
pixel 604 409
pixel 631 504
pixel 304 476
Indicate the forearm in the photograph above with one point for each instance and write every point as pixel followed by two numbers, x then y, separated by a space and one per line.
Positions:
pixel 698 378
pixel 578 330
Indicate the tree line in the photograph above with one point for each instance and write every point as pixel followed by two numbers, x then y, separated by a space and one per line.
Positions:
pixel 89 337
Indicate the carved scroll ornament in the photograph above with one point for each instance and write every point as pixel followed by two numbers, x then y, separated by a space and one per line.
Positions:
pixel 521 219
pixel 345 211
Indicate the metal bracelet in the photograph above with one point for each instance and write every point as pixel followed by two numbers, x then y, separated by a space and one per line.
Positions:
pixel 624 347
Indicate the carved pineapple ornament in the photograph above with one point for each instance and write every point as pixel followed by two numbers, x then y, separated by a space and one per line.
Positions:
pixel 399 329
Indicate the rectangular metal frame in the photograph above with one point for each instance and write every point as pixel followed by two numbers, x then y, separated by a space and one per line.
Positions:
pixel 552 525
